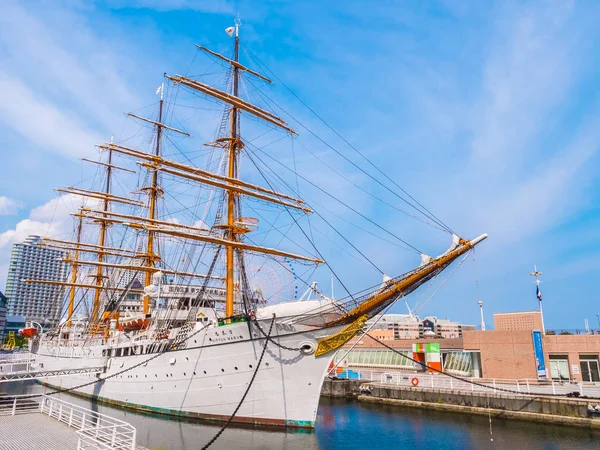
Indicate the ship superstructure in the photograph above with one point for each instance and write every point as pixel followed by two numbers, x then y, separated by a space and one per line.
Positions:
pixel 175 313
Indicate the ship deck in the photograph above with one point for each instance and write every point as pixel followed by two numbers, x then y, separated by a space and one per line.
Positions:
pixel 35 431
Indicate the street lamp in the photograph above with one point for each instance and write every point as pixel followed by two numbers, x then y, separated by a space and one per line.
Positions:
pixel 480 303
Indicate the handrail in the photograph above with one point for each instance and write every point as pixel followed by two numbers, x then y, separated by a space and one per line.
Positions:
pixel 95 430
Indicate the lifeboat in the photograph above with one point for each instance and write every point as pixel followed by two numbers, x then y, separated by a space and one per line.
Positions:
pixel 134 325
pixel 28 332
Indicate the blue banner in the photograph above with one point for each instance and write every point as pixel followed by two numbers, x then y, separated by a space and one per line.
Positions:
pixel 539 354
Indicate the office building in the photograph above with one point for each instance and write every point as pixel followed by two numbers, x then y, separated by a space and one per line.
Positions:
pixel 36 301
pixel 409 326
pixel 518 321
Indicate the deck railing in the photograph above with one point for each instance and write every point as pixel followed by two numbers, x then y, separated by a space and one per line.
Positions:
pixel 95 430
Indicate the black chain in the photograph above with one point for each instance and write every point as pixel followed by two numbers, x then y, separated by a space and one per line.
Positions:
pixel 510 391
pixel 216 436
pixel 270 339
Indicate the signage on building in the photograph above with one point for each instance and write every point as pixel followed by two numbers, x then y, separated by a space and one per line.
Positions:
pixel 575 369
pixel 538 348
pixel 433 347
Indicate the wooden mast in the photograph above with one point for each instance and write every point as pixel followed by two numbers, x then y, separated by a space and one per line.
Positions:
pixel 101 239
pixel 153 191
pixel 232 172
pixel 74 276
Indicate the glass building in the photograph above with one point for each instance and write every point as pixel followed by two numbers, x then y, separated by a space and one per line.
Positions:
pixel 36 301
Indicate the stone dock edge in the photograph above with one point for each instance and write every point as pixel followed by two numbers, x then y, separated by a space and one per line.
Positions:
pixel 543 409
pixel 582 422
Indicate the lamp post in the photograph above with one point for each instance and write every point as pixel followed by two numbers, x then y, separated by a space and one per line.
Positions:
pixel 536 274
pixel 480 303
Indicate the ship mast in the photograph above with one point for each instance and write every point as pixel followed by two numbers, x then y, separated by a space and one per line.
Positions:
pixel 233 146
pixel 101 239
pixel 153 192
pixel 74 275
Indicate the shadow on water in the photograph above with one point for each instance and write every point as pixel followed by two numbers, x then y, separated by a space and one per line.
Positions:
pixel 349 425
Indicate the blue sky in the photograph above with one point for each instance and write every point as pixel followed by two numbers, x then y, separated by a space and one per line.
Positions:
pixel 487 112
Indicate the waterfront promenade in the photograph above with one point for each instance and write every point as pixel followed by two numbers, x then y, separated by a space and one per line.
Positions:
pixel 46 422
pixel 42 432
pixel 441 381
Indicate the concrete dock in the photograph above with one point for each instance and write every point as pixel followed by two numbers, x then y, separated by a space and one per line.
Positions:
pixel 49 423
pixel 36 431
pixel 558 410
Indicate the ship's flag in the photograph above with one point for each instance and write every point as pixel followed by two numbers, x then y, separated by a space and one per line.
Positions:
pixel 538 293
pixel 230 31
pixel 158 89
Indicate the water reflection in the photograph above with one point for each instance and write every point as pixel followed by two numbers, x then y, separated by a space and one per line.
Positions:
pixel 350 425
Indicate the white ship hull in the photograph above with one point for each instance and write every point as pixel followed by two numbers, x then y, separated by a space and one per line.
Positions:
pixel 208 378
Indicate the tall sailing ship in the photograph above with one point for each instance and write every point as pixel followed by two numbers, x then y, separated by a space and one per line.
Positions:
pixel 176 322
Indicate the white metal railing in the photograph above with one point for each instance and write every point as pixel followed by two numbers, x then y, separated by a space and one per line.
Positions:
pixel 441 381
pixel 95 430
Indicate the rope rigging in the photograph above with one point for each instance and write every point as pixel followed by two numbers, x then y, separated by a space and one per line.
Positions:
pixel 419 208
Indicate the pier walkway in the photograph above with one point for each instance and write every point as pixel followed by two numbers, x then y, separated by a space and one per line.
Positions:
pixel 440 381
pixel 46 422
pixel 34 432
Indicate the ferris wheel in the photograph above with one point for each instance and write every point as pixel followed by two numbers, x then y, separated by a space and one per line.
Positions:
pixel 272 280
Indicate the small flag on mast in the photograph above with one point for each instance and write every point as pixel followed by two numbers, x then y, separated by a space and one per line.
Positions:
pixel 158 89
pixel 538 293
pixel 230 31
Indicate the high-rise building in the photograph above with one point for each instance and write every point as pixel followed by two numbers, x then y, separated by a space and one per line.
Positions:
pixel 2 314
pixel 36 301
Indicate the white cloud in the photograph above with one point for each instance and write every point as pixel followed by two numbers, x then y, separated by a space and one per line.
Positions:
pixel 63 108
pixel 8 206
pixel 42 122
pixel 51 219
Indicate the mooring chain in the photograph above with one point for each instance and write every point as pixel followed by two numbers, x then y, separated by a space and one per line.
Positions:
pixel 264 350
pixel 270 339
pixel 475 383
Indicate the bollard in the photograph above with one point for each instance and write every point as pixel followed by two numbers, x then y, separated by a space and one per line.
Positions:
pixel 581 387
pixel 494 381
pixel 518 387
pixel 553 388
pixel 528 390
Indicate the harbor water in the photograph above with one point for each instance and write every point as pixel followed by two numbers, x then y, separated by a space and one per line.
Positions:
pixel 349 425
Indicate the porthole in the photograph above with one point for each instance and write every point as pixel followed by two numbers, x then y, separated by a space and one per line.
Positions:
pixel 250 366
pixel 205 372
pixel 235 368
pixel 194 373
pixel 222 370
